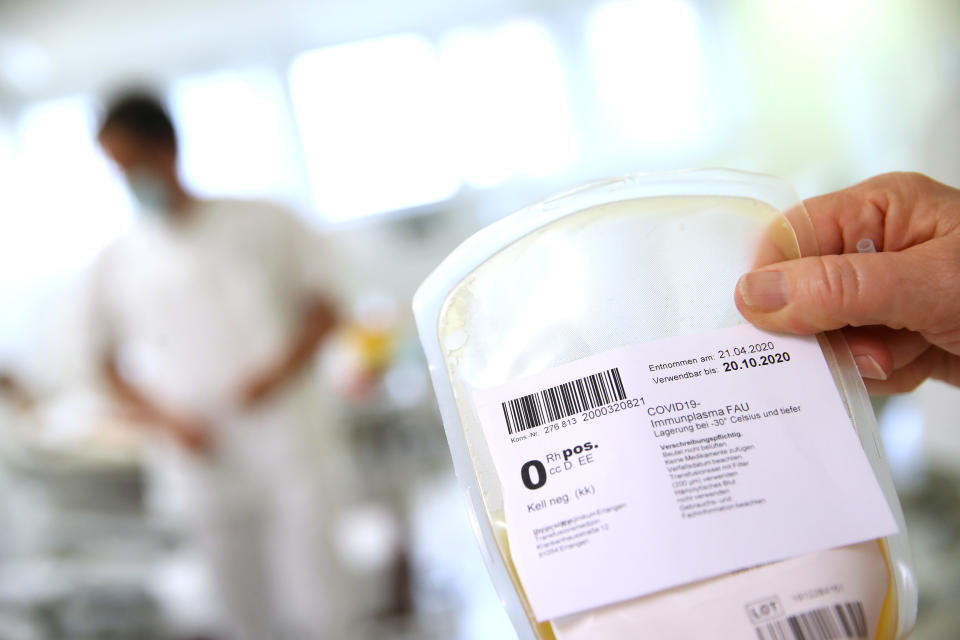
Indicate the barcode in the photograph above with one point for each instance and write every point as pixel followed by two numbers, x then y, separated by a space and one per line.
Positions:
pixel 828 623
pixel 563 400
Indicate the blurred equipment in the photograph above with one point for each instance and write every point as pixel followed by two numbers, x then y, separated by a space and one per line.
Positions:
pixel 78 549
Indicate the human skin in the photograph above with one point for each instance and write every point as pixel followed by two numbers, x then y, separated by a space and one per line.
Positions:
pixel 899 307
pixel 317 317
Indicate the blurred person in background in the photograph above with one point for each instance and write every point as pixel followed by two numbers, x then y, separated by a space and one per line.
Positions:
pixel 205 317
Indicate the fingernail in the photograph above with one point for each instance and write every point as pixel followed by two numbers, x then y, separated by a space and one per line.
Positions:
pixel 870 368
pixel 763 290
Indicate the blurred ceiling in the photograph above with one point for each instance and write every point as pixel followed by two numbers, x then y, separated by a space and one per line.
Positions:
pixel 56 48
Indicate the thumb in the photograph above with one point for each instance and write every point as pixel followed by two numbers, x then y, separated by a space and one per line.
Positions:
pixel 814 294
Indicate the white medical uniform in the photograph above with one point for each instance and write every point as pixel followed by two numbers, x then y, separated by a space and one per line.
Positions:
pixel 194 309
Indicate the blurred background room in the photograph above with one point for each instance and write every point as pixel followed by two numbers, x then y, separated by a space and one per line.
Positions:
pixel 391 131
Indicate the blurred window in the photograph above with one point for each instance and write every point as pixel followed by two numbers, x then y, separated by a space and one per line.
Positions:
pixel 511 110
pixel 236 135
pixel 647 61
pixel 373 121
pixel 9 223
pixel 68 200
pixel 62 203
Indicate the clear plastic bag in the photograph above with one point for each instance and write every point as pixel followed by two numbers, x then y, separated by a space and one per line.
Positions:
pixel 624 262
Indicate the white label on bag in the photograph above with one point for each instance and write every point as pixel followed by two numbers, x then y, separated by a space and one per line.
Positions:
pixel 655 465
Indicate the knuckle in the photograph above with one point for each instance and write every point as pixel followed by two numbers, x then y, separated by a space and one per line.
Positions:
pixel 950 371
pixel 912 179
pixel 931 364
pixel 839 287
pixel 915 187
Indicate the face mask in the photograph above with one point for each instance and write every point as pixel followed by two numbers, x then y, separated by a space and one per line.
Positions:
pixel 150 191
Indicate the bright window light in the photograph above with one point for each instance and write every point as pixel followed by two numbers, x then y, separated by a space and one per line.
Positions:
pixel 61 203
pixel 373 125
pixel 11 283
pixel 647 61
pixel 511 105
pixel 236 136
pixel 10 170
pixel 71 201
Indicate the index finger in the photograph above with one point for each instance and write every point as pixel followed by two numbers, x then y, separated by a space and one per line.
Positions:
pixel 894 210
